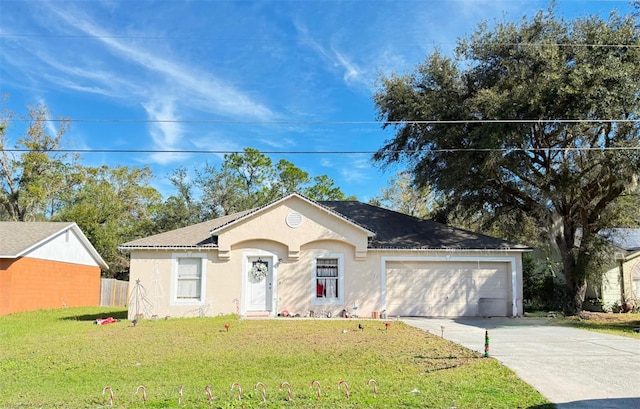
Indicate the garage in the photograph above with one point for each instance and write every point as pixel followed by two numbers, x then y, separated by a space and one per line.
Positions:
pixel 447 288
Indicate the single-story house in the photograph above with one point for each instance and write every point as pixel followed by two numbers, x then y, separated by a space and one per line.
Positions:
pixel 620 285
pixel 298 256
pixel 47 265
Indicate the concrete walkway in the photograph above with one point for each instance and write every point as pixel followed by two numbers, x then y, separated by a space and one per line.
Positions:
pixel 573 368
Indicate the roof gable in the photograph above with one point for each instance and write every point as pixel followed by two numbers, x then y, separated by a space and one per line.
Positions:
pixel 291 196
pixel 195 236
pixel 20 239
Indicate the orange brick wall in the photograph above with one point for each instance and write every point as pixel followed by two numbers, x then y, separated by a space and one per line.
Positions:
pixel 30 284
pixel 5 287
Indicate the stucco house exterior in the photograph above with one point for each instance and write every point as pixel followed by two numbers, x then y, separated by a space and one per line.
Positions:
pixel 323 258
pixel 47 265
pixel 621 283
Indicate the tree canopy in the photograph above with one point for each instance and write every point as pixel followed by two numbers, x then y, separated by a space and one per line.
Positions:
pixel 537 117
pixel 33 175
pixel 250 179
pixel 112 206
pixel 403 196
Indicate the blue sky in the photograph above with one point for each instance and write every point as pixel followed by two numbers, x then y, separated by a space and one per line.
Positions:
pixel 195 75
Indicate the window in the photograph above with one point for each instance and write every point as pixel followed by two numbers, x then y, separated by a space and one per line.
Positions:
pixel 328 279
pixel 188 281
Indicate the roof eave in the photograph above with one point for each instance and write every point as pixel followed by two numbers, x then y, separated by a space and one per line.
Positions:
pixel 453 249
pixel 168 247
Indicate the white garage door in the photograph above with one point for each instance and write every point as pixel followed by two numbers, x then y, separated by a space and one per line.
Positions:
pixel 447 289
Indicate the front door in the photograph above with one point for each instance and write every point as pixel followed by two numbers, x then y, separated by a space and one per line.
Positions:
pixel 258 284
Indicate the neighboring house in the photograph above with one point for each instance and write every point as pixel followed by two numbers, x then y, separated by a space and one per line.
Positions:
pixel 621 284
pixel 47 265
pixel 301 256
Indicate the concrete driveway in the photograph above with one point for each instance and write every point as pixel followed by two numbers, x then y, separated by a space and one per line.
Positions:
pixel 573 368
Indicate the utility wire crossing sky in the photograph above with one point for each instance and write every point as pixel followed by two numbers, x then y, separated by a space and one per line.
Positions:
pixel 182 83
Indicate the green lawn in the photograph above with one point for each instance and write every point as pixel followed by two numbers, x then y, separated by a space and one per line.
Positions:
pixel 60 359
pixel 615 324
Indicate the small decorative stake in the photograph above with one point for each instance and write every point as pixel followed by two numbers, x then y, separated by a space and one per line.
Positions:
pixel 207 389
pixel 375 386
pixel 239 389
pixel 226 326
pixel 289 398
pixel 144 393
pixel 264 390
pixel 108 388
pixel 346 387
pixel 318 388
pixel 486 344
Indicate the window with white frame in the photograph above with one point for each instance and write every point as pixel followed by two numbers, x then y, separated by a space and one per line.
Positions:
pixel 188 279
pixel 328 279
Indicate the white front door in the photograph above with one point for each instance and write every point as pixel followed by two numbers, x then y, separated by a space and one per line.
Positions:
pixel 258 284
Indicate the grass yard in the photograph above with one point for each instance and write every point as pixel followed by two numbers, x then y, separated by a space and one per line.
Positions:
pixel 60 359
pixel 610 323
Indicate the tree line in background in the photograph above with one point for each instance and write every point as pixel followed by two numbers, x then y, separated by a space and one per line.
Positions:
pixel 113 205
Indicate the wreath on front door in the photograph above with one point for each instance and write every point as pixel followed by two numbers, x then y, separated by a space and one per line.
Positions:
pixel 259 271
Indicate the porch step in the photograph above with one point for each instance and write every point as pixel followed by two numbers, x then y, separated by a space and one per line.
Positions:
pixel 258 314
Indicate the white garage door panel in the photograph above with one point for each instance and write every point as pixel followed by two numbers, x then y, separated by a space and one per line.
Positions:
pixel 445 288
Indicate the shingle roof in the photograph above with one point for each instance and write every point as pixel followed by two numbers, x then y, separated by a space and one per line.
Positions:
pixel 397 230
pixel 392 230
pixel 197 235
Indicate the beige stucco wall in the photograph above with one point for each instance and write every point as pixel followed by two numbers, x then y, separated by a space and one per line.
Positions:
pixel 293 279
pixel 291 252
pixel 361 281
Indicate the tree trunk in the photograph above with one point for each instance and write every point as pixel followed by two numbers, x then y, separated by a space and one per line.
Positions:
pixel 568 247
pixel 577 293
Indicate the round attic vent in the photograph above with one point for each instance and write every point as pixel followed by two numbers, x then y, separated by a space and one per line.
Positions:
pixel 294 219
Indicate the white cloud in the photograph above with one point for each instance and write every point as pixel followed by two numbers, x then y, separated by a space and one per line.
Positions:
pixel 352 74
pixel 167 131
pixel 357 169
pixel 203 90
pixel 135 76
pixel 278 143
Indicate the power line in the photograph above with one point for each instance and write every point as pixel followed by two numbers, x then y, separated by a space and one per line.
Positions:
pixel 292 122
pixel 407 151
pixel 243 40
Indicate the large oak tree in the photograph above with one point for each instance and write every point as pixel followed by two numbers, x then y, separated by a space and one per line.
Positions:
pixel 537 116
